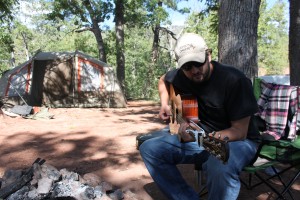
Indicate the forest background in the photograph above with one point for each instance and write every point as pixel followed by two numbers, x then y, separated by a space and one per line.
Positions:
pixel 30 26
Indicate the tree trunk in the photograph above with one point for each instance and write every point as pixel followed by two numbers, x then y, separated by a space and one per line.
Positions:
pixel 25 45
pixel 238 22
pixel 156 39
pixel 12 51
pixel 12 59
pixel 97 31
pixel 155 43
pixel 119 20
pixel 294 42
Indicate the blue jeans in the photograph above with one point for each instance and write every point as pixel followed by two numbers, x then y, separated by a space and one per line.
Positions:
pixel 162 154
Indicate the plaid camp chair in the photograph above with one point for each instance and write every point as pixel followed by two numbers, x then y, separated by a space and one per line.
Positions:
pixel 280 108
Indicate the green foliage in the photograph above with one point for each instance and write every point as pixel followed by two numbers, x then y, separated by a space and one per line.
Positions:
pixel 137 55
pixel 204 25
pixel 272 39
pixel 85 42
pixel 6 46
pixel 211 5
pixel 141 73
pixel 85 10
pixel 148 13
pixel 6 40
pixel 156 13
pixel 22 36
pixel 45 36
pixel 139 84
pixel 6 8
pixel 135 14
pixel 56 37
pixel 110 38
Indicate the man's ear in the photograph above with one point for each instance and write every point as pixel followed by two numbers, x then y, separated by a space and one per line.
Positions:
pixel 208 54
pixel 209 57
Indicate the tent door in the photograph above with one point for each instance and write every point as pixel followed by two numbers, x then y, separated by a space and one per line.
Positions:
pixel 52 82
pixel 37 83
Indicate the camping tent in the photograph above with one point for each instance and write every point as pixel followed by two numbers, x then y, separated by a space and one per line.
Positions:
pixel 62 79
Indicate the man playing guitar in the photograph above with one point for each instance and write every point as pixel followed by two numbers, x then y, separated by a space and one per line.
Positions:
pixel 225 106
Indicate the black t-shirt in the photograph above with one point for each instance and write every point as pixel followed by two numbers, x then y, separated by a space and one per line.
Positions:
pixel 226 96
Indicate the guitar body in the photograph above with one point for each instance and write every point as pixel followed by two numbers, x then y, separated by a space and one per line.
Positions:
pixel 175 103
pixel 189 108
pixel 185 109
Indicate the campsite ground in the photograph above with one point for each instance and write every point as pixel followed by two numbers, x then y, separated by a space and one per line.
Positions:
pixel 101 141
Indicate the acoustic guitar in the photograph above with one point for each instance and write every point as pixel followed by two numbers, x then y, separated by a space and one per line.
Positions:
pixel 185 109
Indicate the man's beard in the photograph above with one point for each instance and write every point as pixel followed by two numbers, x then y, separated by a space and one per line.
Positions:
pixel 205 76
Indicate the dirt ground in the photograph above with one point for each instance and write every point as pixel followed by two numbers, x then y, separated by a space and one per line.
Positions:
pixel 97 140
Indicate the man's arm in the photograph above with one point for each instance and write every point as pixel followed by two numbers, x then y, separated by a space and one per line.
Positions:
pixel 237 131
pixel 165 110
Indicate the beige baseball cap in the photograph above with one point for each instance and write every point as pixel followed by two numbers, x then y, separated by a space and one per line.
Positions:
pixel 190 47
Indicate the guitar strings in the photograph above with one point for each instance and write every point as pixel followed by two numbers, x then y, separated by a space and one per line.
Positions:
pixel 180 119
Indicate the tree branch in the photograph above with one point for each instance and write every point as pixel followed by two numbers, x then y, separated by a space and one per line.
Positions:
pixel 84 29
pixel 168 32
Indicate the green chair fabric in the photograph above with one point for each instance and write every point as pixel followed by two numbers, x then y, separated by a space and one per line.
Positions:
pixel 257 87
pixel 283 152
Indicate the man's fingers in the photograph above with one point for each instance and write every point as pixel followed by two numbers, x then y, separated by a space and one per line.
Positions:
pixel 185 134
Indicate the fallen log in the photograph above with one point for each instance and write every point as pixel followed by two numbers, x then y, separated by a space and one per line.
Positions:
pixel 20 182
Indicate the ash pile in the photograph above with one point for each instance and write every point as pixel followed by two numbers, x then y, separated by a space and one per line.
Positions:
pixel 44 182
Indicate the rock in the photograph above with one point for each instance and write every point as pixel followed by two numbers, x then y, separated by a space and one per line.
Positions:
pixel 32 194
pixel 44 185
pixel 10 176
pixel 21 194
pixel 49 183
pixel 128 195
pixel 98 191
pixel 116 195
pixel 36 174
pixel 67 175
pixel 91 179
pixel 50 172
pixel 105 186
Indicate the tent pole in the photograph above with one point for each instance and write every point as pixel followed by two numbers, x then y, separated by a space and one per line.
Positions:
pixel 18 93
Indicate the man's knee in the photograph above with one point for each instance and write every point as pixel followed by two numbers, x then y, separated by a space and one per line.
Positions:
pixel 143 148
pixel 148 147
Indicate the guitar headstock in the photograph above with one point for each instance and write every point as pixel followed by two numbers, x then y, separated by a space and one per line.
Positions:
pixel 218 148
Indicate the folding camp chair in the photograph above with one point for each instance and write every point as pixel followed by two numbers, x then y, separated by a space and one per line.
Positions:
pixel 284 152
pixel 272 154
